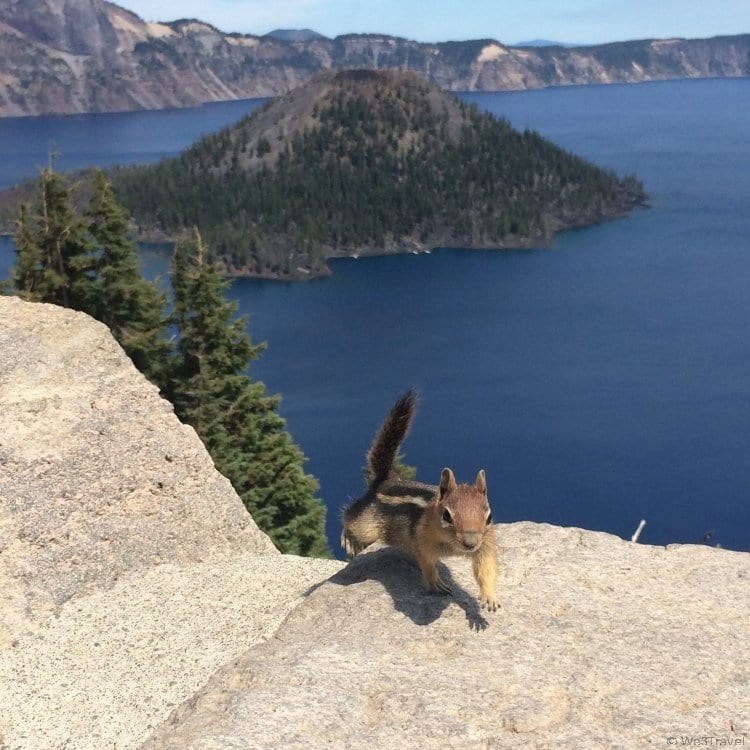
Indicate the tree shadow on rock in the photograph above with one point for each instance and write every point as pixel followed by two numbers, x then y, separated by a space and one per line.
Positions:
pixel 401 577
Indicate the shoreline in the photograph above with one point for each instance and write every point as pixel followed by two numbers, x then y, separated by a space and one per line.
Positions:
pixel 412 245
pixel 407 245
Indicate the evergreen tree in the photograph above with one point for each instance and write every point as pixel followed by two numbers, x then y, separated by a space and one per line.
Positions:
pixel 29 268
pixel 132 307
pixel 234 416
pixel 54 256
pixel 89 263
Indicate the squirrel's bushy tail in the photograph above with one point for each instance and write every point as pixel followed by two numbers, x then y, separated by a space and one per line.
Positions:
pixel 392 433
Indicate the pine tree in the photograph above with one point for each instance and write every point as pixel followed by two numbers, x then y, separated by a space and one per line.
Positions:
pixel 29 269
pixel 64 244
pixel 234 416
pixel 132 307
pixel 53 253
pixel 90 264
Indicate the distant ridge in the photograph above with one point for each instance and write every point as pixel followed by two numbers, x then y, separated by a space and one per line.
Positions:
pixel 294 35
pixel 68 56
pixel 546 43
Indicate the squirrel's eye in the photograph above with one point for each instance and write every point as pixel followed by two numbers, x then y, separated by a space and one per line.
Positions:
pixel 447 516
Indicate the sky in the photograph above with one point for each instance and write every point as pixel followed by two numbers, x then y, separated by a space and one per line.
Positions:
pixel 509 21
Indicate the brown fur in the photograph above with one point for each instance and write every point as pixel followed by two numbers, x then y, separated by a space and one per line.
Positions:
pixel 430 522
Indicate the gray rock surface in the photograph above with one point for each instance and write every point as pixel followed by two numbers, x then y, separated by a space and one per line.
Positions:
pixel 111 666
pixel 129 569
pixel 600 643
pixel 97 476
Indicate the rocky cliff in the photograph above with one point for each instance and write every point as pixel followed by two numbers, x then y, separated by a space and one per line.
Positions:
pixel 143 608
pixel 64 56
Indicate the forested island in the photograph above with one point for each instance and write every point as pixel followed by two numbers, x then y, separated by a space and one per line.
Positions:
pixel 364 162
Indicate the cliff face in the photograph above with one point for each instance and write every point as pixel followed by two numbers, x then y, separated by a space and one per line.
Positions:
pixel 65 56
pixel 76 27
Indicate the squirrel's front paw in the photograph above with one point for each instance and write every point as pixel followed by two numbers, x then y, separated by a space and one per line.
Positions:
pixel 489 603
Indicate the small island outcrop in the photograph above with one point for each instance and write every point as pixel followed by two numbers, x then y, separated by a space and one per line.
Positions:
pixel 368 162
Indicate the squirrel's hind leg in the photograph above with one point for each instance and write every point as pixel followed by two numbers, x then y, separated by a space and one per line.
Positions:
pixel 361 528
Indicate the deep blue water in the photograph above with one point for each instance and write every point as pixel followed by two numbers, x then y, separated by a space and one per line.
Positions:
pixel 106 139
pixel 600 381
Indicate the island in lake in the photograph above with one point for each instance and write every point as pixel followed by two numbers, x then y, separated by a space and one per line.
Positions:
pixel 364 162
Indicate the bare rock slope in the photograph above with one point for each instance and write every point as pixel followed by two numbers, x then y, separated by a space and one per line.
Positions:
pixel 97 476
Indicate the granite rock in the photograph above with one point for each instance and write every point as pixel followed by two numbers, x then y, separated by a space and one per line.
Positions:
pixel 129 569
pixel 600 643
pixel 98 477
pixel 112 665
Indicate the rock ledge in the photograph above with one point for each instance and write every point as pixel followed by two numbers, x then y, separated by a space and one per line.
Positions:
pixel 140 606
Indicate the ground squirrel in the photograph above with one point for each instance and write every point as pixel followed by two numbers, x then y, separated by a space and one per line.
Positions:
pixel 428 521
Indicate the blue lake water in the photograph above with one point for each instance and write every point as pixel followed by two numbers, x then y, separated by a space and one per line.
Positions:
pixel 600 381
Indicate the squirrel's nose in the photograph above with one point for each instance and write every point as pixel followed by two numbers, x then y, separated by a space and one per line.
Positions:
pixel 470 539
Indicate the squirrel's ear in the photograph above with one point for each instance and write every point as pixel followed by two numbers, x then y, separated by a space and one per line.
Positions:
pixel 481 483
pixel 447 482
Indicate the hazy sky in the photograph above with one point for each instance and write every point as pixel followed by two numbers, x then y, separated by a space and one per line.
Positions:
pixel 429 20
